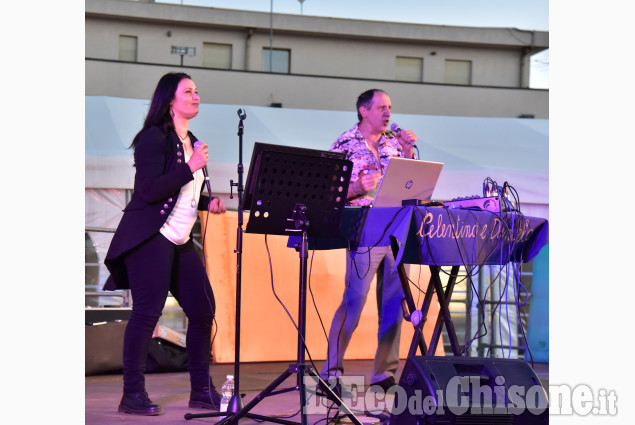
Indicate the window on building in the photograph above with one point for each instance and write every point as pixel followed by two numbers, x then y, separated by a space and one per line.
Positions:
pixel 278 60
pixel 458 72
pixel 128 48
pixel 217 55
pixel 408 69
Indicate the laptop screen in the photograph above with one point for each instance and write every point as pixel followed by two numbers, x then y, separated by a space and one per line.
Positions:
pixel 407 179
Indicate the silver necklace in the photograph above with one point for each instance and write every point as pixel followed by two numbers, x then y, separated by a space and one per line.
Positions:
pixel 194 191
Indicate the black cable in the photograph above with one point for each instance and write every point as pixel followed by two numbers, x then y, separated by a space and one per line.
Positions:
pixel 454 227
pixel 354 263
pixel 292 321
pixel 512 228
pixel 503 290
pixel 420 291
pixel 392 220
pixel 290 317
pixel 323 329
pixel 456 237
pixel 429 249
pixel 516 198
pixel 203 236
pixel 519 318
pixel 481 311
pixel 282 304
pixel 313 297
pixel 353 266
pixel 468 323
pixel 496 305
pixel 510 209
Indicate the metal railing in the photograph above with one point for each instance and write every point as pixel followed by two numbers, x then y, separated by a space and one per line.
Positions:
pixel 172 317
pixel 124 294
pixel 481 347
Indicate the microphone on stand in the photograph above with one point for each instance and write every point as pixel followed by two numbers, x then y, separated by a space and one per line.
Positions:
pixel 209 190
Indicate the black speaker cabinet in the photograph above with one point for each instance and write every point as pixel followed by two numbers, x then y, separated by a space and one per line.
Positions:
pixel 104 347
pixel 468 390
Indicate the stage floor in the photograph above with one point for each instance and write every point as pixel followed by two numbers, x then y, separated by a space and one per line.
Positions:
pixel 171 391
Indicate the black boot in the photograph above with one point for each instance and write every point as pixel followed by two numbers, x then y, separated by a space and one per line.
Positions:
pixel 139 403
pixel 205 398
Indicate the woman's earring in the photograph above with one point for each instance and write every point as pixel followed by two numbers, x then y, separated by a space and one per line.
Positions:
pixel 171 112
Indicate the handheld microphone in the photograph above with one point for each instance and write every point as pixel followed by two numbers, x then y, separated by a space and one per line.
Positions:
pixel 209 190
pixel 396 129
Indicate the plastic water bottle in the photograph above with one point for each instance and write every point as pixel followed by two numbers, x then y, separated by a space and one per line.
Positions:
pixel 227 391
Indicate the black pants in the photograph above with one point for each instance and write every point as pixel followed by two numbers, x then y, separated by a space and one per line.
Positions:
pixel 154 268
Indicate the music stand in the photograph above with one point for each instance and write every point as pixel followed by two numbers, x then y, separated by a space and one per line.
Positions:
pixel 295 191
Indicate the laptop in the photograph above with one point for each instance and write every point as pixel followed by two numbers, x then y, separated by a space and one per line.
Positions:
pixel 407 179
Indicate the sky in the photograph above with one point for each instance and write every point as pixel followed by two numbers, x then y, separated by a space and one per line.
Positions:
pixel 521 14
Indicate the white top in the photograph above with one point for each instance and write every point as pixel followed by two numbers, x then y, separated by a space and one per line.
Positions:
pixel 179 224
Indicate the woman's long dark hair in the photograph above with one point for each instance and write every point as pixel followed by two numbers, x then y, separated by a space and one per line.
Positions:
pixel 159 112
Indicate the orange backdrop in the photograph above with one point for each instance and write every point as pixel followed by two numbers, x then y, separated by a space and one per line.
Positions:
pixel 267 332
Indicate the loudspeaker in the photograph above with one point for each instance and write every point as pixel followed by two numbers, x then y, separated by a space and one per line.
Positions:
pixel 104 347
pixel 104 350
pixel 468 390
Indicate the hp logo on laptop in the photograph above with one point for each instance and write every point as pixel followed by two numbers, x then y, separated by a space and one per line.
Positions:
pixel 409 184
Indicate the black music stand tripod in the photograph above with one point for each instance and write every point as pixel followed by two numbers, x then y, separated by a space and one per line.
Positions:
pixel 322 183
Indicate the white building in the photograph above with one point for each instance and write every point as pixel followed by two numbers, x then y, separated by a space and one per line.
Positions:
pixel 316 62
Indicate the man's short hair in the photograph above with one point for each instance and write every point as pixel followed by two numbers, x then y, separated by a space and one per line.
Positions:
pixel 365 99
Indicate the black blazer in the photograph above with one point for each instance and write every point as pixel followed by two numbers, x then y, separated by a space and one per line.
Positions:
pixel 160 173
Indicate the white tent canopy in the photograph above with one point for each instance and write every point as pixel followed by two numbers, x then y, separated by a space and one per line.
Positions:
pixel 514 150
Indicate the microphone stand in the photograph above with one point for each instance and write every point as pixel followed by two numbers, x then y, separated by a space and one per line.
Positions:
pixel 235 403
